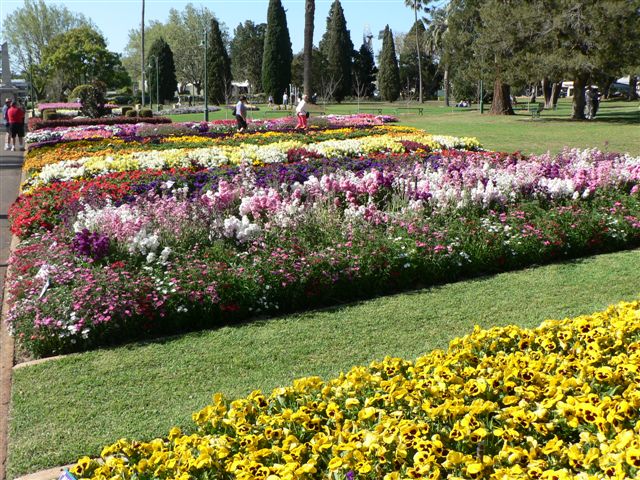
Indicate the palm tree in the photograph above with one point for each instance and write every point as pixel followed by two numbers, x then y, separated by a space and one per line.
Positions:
pixel 422 5
pixel 309 10
pixel 438 26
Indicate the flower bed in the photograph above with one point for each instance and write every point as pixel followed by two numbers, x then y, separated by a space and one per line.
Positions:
pixel 54 132
pixel 44 169
pixel 38 123
pixel 556 402
pixel 68 106
pixel 115 258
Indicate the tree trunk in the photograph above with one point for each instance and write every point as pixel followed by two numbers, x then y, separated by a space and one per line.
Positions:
pixel 633 87
pixel 446 85
pixel 501 104
pixel 579 101
pixel 415 11
pixel 555 94
pixel 547 90
pixel 605 87
pixel 309 10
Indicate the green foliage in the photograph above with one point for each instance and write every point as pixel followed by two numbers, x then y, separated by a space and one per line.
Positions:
pixel 277 56
pixel 92 99
pixel 77 92
pixel 388 73
pixel 218 66
pixel 50 115
pixel 247 49
pixel 184 33
pixel 161 53
pixel 364 72
pixel 130 113
pixel 318 68
pixel 81 55
pixel 29 29
pixel 337 48
pixel 126 110
pixel 146 113
pixel 408 65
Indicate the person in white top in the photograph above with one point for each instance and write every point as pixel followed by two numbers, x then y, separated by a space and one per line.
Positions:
pixel 302 112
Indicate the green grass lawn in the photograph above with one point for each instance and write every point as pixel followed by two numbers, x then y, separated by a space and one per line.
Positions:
pixel 616 128
pixel 65 408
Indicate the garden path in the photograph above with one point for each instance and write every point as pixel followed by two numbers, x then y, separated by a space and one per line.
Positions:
pixel 10 174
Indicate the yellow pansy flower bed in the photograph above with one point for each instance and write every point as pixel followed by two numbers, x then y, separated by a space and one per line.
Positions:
pixel 556 402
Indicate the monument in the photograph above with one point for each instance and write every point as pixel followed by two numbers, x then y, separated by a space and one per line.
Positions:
pixel 7 89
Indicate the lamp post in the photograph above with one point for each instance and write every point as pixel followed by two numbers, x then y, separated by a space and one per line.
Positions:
pixel 33 112
pixel 206 91
pixel 155 57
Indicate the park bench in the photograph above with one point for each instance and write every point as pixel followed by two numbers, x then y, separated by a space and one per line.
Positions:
pixel 534 108
pixel 377 111
pixel 408 110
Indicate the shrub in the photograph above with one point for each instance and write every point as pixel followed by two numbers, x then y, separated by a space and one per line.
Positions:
pixel 92 100
pixel 146 113
pixel 130 113
pixel 51 115
pixel 38 123
pixel 78 92
pixel 126 109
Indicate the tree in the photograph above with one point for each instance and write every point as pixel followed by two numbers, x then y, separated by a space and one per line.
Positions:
pixel 132 54
pixel 277 57
pixel 388 73
pixel 318 70
pixel 246 53
pixel 337 48
pixel 438 26
pixel 184 32
pixel 309 11
pixel 364 72
pixel 166 74
pixel 81 56
pixel 418 5
pixel 218 66
pixel 413 72
pixel 29 29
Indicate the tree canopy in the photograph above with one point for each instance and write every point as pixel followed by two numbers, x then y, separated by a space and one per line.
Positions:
pixel 166 74
pixel 277 56
pixel 247 48
pixel 218 67
pixel 388 72
pixel 337 48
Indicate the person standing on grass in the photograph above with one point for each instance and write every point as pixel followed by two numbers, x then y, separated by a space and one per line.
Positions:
pixel 302 112
pixel 15 114
pixel 285 99
pixel 5 119
pixel 241 114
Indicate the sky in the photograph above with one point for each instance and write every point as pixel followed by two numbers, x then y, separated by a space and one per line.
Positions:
pixel 115 18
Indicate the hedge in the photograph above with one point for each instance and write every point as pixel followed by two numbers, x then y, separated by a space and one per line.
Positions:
pixel 38 123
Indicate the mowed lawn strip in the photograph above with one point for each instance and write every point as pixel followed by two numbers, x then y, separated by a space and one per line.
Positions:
pixel 615 128
pixel 66 408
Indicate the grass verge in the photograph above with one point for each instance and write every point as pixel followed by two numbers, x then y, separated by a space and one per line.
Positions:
pixel 73 406
pixel 615 127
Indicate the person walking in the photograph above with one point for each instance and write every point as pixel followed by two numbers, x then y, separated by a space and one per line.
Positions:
pixel 15 114
pixel 285 99
pixel 302 112
pixel 241 114
pixel 5 119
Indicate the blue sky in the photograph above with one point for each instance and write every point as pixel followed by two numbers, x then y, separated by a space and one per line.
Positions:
pixel 116 17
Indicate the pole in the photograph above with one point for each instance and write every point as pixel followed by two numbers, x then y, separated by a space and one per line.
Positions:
pixel 33 112
pixel 415 11
pixel 206 90
pixel 481 97
pixel 157 84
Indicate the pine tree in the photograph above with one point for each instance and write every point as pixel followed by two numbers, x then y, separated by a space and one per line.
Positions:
pixel 166 73
pixel 276 62
pixel 388 75
pixel 218 66
pixel 364 72
pixel 337 48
